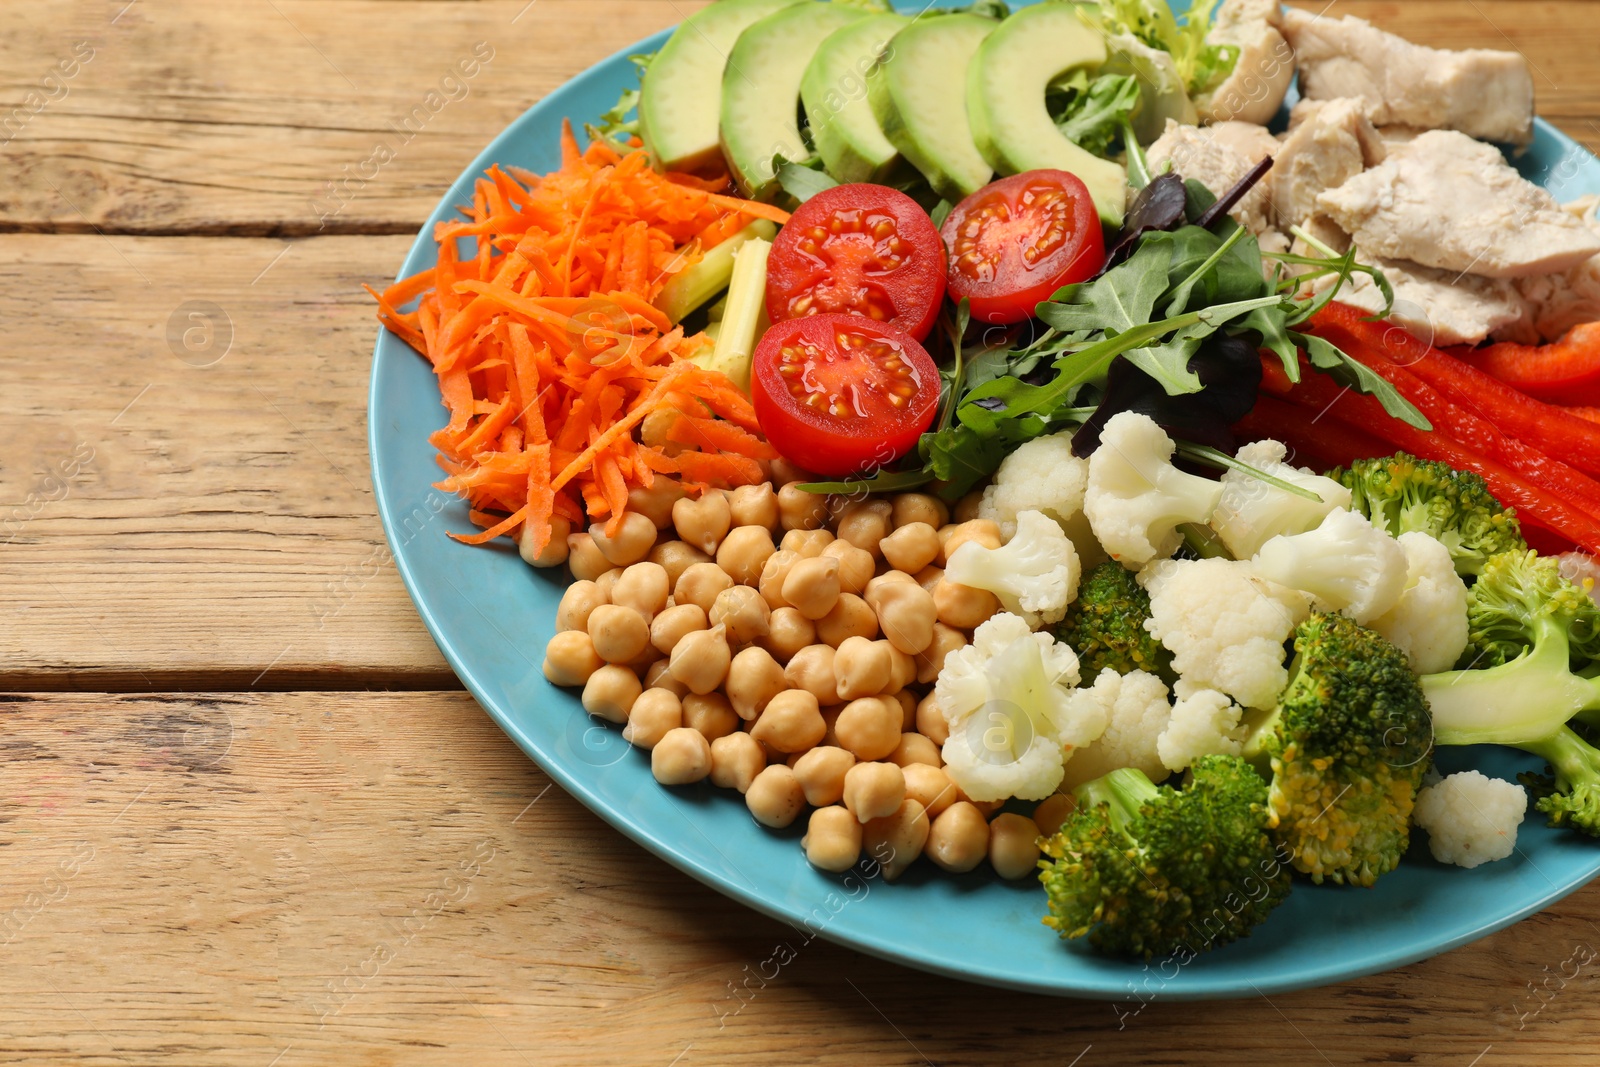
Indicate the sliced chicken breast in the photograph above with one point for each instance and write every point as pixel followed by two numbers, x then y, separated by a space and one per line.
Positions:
pixel 1331 146
pixel 1253 91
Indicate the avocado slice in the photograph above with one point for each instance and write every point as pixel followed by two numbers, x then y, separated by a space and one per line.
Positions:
pixel 918 93
pixel 834 91
pixel 1006 84
pixel 680 102
pixel 761 91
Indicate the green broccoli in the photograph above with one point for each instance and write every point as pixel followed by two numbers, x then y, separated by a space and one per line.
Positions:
pixel 1105 626
pixel 1345 751
pixel 1542 635
pixel 1145 870
pixel 1402 493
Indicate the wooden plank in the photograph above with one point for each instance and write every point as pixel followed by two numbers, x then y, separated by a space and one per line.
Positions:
pixel 328 877
pixel 194 117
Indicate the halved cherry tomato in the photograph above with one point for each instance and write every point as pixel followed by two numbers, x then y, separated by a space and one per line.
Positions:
pixel 863 249
pixel 1016 241
pixel 841 394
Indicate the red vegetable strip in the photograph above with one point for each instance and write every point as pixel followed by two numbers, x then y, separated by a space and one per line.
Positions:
pixel 1563 372
pixel 1321 444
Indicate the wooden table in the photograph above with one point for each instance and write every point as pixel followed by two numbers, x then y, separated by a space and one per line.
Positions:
pixel 250 817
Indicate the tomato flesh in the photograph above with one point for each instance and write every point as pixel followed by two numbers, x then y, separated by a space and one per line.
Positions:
pixel 1014 242
pixel 841 394
pixel 861 249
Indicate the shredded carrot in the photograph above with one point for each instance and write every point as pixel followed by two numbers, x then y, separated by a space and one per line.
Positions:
pixel 551 355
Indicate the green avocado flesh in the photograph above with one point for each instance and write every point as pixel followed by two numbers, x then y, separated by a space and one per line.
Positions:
pixel 680 103
pixel 918 94
pixel 834 92
pixel 1006 85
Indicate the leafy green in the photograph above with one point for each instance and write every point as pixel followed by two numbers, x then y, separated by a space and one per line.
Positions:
pixel 1200 64
pixel 1089 113
pixel 802 181
pixel 617 128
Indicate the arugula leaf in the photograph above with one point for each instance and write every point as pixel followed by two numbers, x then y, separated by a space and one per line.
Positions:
pixel 1120 299
pixel 1212 457
pixel 1090 114
pixel 940 212
pixel 616 129
pixel 1270 323
pixel 803 182
pixel 1332 361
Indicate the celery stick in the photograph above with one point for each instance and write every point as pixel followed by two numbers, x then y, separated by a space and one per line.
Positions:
pixel 696 284
pixel 746 317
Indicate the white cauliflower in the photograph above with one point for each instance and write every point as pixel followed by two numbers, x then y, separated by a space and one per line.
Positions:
pixel 1041 475
pixel 1225 625
pixel 1204 723
pixel 1429 623
pixel 1252 512
pixel 1135 711
pixel 1471 818
pixel 1579 568
pixel 1035 574
pixel 1136 498
pixel 1007 700
pixel 1346 564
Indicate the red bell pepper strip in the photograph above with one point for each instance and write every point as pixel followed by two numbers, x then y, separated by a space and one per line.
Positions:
pixel 1322 444
pixel 1563 372
pixel 1591 414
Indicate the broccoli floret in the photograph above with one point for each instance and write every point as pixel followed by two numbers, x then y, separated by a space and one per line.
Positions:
pixel 1346 749
pixel 1105 626
pixel 1545 633
pixel 1403 493
pixel 1142 869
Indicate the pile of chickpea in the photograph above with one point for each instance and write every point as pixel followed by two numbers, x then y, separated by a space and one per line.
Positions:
pixel 798 671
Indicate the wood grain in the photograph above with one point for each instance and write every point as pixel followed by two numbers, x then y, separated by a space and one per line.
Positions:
pixel 369 878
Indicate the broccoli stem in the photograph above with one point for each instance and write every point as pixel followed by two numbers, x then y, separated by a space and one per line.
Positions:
pixel 1123 792
pixel 1576 762
pixel 1526 701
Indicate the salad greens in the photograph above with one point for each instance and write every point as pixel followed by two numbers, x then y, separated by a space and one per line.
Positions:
pixel 1200 65
pixel 1091 113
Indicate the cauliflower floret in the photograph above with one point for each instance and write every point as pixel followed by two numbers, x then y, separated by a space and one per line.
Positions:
pixel 1347 565
pixel 1035 575
pixel 1429 623
pixel 1471 818
pixel 1579 568
pixel 1252 512
pixel 1135 711
pixel 1006 698
pixel 1225 625
pixel 1204 723
pixel 1136 499
pixel 1041 475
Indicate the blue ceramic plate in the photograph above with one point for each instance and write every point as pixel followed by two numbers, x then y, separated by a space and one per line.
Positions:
pixel 491 615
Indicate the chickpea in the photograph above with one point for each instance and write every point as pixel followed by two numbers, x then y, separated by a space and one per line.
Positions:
pixel 744 552
pixel 895 841
pixel 606 582
pixel 642 587
pixel 584 558
pixel 807 543
pixel 928 577
pixel 610 692
pixel 681 756
pixel 743 612
pixel 862 668
pixel 655 503
pixel 968 507
pixel 930 661
pixel 821 773
pixel 812 586
pixel 876 585
pixel 773 574
pixel 676 557
pixel 918 507
pixel 659 676
pixel 873 790
pixel 647 658
pixel 830 719
pixel 962 606
pixel 869 727
pixel 580 598
pixel 775 797
pixel 931 721
pixel 700 585
pixel 850 617
pixel 1013 846
pixel 754 678
pixel 865 523
pixel 984 531
pixel 856 565
pixel 958 840
pixel 833 839
pixel 792 722
pixel 800 510
pixel 908 709
pixel 754 505
pixel 654 713
pixel 700 659
pixel 931 787
pixel 554 552
pixel 988 807
pixel 632 543
pixel 672 625
pixel 914 748
pixel 619 634
pixel 812 669
pixel 911 547
pixel 907 614
pixel 735 761
pixel 1053 811
pixel 783 472
pixel 570 659
pixel 711 714
pixel 703 523
pixel 788 632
